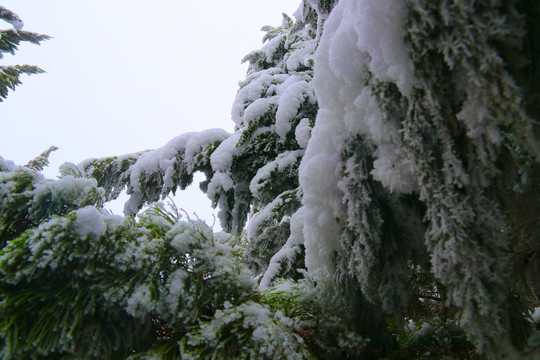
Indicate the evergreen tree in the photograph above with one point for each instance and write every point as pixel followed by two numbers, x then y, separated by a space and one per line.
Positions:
pixel 380 193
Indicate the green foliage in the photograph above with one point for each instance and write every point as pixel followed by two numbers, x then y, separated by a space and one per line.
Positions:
pixel 440 340
pixel 273 228
pixel 42 161
pixel 84 275
pixel 59 308
pixel 99 286
pixel 27 198
pixel 460 158
pixel 9 41
pixel 249 331
pixel 112 174
pixel 9 77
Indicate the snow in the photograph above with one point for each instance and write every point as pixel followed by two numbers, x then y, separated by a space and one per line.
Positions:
pixel 287 252
pixel 299 13
pixel 164 163
pixel 302 133
pixel 536 315
pixel 175 285
pixel 6 165
pixel 259 218
pixel 390 166
pixel 158 160
pixel 220 182
pixel 379 27
pixel 271 46
pixel 131 207
pixel 302 56
pixel 162 159
pixel 286 92
pixel 89 221
pixel 270 337
pixel 315 5
pixel 12 18
pixel 18 24
pixel 65 190
pixel 200 140
pixel 289 102
pixel 251 89
pixel 279 164
pixel 140 302
pixel 257 109
pixel 319 176
pixel 221 158
pixel 361 39
pixel 425 330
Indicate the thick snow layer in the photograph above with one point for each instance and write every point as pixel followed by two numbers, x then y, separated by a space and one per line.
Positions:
pixel 270 337
pixel 221 158
pixel 299 13
pixel 302 56
pixel 18 24
pixel 220 182
pixel 258 83
pixel 159 160
pixel 89 221
pixel 302 132
pixel 361 38
pixel 175 285
pixel 390 166
pixel 378 25
pixel 289 103
pixel 257 109
pixel 285 92
pixel 163 159
pixel 271 46
pixel 200 140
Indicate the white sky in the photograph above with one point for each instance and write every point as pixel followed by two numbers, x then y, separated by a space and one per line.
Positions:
pixel 124 76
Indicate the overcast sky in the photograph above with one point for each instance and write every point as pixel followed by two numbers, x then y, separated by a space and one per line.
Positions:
pixel 124 76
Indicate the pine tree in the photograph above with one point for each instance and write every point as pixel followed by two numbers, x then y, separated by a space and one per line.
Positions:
pixel 380 195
